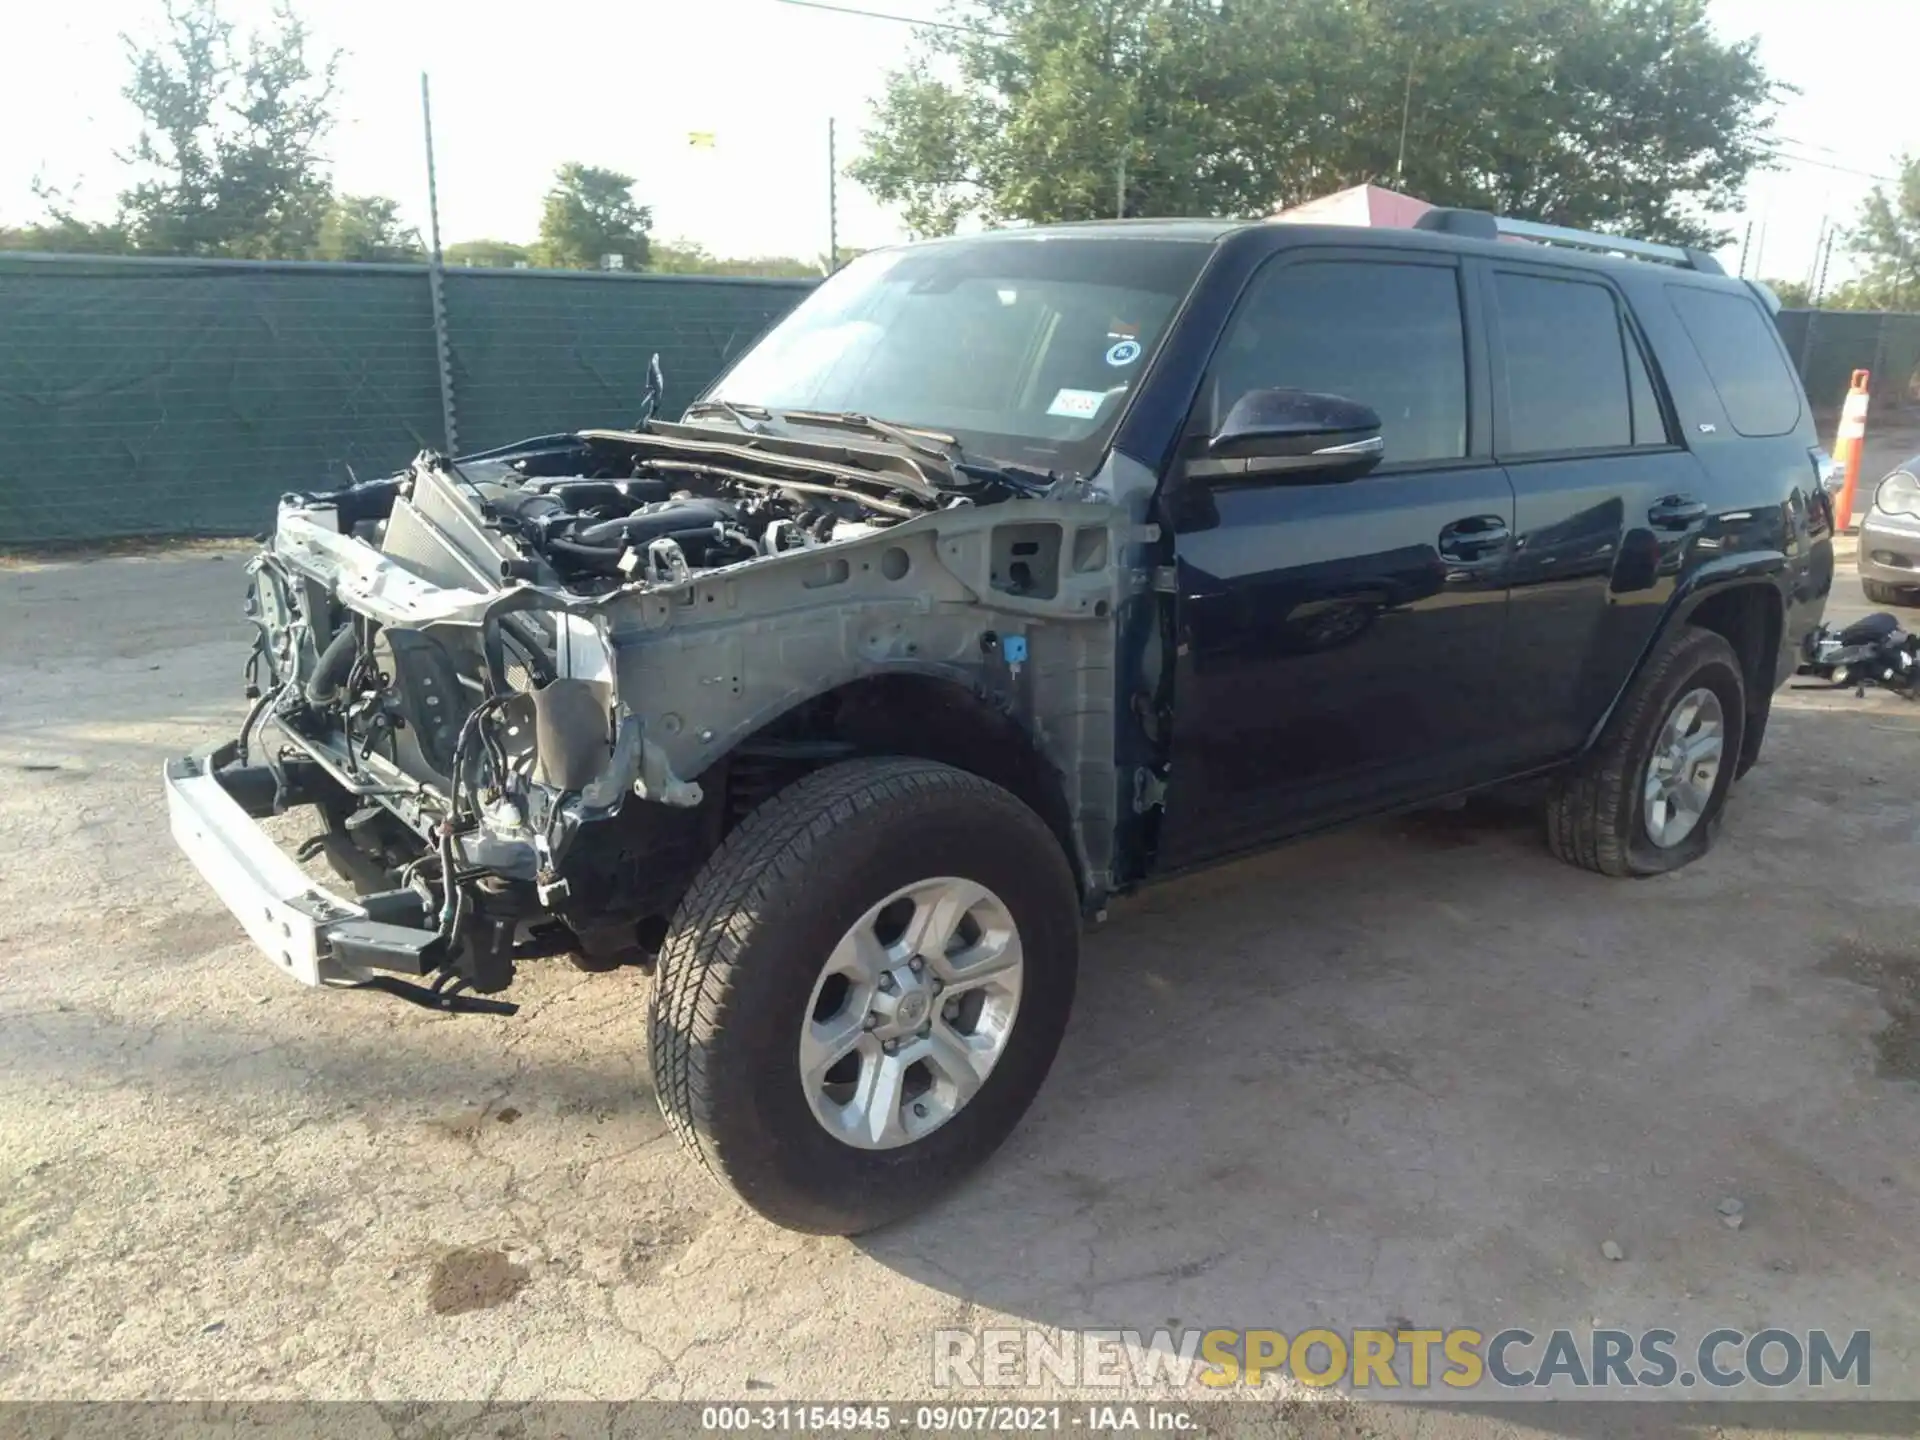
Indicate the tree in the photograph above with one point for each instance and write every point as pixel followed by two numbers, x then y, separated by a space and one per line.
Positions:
pixel 680 257
pixel 229 154
pixel 63 232
pixel 1793 294
pixel 1887 240
pixel 230 137
pixel 64 237
pixel 367 228
pixel 690 257
pixel 495 254
pixel 1615 114
pixel 274 193
pixel 590 213
pixel 177 86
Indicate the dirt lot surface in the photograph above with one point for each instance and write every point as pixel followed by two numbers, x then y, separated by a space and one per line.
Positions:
pixel 1416 1072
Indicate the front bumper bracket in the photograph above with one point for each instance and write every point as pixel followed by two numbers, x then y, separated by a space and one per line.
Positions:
pixel 312 934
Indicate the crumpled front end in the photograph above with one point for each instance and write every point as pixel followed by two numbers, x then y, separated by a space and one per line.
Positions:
pixel 469 667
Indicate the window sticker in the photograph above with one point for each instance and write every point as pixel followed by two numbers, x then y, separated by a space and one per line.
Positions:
pixel 1124 353
pixel 1077 404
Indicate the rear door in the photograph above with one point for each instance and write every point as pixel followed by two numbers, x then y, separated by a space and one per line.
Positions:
pixel 1605 499
pixel 1338 642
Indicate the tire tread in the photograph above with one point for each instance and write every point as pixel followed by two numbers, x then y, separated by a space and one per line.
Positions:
pixel 1879 592
pixel 1586 825
pixel 699 965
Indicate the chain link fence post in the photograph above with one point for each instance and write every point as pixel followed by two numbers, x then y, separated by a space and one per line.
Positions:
pixel 436 284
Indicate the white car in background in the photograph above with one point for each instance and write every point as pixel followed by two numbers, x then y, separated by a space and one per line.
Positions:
pixel 1890 538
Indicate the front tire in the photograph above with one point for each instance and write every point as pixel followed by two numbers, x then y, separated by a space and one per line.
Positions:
pixel 803 1048
pixel 1649 798
pixel 1879 592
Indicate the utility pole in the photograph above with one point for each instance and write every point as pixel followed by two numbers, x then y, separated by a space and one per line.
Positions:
pixel 1406 114
pixel 1120 188
pixel 833 203
pixel 1813 268
pixel 436 279
pixel 1745 242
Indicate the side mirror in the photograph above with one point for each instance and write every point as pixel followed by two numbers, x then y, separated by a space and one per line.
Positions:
pixel 1293 434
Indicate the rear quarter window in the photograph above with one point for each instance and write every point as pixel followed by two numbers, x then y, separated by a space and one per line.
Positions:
pixel 1741 350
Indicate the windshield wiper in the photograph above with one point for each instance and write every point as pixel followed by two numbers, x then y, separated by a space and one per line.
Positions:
pixel 935 445
pixel 943 448
pixel 747 417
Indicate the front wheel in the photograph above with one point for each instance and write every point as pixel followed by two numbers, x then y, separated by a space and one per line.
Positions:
pixel 1649 798
pixel 863 990
pixel 1879 592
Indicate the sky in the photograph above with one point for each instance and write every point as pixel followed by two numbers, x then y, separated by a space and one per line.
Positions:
pixel 623 83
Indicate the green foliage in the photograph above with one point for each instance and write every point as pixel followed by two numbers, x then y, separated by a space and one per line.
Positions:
pixel 230 138
pixel 228 160
pixel 1887 240
pixel 1794 294
pixel 1618 114
pixel 62 232
pixel 367 228
pixel 179 86
pixel 689 257
pixel 495 254
pixel 590 213
pixel 664 257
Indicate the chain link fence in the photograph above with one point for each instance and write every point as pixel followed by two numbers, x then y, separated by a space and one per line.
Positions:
pixel 181 397
pixel 1829 345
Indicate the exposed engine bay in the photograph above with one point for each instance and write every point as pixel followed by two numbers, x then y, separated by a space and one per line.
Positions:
pixel 602 510
pixel 478 662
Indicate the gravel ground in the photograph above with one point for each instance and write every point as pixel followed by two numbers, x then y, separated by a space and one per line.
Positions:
pixel 1416 1071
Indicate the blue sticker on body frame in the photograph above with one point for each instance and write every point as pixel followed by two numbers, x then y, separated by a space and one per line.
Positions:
pixel 1125 353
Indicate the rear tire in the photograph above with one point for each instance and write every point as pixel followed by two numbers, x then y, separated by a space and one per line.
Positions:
pixel 1597 816
pixel 1879 592
pixel 740 980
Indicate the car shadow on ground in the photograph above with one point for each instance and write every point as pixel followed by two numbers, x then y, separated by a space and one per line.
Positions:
pixel 1417 1074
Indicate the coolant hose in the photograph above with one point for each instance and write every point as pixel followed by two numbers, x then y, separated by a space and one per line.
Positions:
pixel 336 662
pixel 601 559
pixel 679 519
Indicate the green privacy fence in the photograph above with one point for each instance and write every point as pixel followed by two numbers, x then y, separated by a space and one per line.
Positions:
pixel 171 397
pixel 1829 345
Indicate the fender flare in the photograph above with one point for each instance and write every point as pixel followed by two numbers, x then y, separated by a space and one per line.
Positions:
pixel 1748 570
pixel 987 711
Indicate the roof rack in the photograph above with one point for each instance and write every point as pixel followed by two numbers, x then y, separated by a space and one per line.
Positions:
pixel 1480 225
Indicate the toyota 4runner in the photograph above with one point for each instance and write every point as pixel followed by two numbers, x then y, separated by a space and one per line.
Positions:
pixel 1006 574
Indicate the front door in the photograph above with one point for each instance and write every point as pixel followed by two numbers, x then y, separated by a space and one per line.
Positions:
pixel 1338 643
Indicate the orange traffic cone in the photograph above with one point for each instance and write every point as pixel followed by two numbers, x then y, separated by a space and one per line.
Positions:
pixel 1847 444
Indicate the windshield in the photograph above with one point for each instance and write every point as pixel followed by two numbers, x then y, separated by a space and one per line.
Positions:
pixel 1022 348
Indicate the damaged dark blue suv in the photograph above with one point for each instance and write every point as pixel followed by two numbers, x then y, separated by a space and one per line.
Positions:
pixel 1006 574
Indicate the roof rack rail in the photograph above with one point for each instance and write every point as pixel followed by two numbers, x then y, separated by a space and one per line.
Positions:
pixel 1479 225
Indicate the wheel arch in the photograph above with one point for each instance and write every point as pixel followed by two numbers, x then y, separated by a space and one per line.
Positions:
pixel 1747 610
pixel 1750 616
pixel 917 712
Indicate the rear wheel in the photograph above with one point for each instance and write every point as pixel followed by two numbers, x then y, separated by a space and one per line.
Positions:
pixel 1649 798
pixel 863 991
